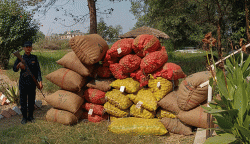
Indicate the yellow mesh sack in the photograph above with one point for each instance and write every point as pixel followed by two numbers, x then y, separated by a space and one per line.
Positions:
pixel 131 86
pixel 161 113
pixel 141 112
pixel 160 87
pixel 113 118
pixel 137 126
pixel 144 98
pixel 118 99
pixel 111 109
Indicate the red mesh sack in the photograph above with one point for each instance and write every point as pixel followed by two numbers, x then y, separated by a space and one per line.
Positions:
pixel 139 76
pixel 130 63
pixel 170 71
pixel 116 70
pixel 94 96
pixel 97 109
pixel 121 48
pixel 145 43
pixel 108 60
pixel 96 118
pixel 154 60
pixel 104 72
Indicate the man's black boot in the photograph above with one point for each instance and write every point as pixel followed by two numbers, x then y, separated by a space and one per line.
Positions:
pixel 31 119
pixel 24 121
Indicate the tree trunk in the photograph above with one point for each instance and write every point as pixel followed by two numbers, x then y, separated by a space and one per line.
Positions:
pixel 247 21
pixel 92 12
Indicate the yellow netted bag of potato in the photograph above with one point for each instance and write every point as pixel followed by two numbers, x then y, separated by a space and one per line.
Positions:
pixel 161 113
pixel 118 99
pixel 160 86
pixel 137 126
pixel 144 98
pixel 113 118
pixel 141 112
pixel 131 86
pixel 111 109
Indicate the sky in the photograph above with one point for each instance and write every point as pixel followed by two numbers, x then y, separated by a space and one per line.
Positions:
pixel 120 16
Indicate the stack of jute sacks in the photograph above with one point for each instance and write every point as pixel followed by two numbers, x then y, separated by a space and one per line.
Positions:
pixel 186 103
pixel 78 66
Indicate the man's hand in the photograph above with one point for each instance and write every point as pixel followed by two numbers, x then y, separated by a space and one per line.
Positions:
pixel 41 85
pixel 20 65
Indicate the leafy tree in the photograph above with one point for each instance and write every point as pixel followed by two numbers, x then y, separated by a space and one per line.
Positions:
pixel 16 27
pixel 109 33
pixel 39 35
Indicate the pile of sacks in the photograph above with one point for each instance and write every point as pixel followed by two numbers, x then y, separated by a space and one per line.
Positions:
pixel 132 82
pixel 78 65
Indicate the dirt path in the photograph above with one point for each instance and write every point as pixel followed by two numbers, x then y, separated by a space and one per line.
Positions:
pixel 39 113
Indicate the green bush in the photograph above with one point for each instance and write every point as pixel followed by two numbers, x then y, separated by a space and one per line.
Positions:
pixel 52 43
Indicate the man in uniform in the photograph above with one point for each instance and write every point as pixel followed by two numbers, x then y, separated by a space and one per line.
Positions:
pixel 27 86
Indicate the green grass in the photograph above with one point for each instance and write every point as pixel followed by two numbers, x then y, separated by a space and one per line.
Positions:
pixel 84 132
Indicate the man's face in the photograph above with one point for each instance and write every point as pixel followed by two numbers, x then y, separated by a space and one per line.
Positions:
pixel 27 49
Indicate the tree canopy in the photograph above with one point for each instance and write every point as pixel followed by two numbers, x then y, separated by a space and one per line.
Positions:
pixel 16 27
pixel 187 21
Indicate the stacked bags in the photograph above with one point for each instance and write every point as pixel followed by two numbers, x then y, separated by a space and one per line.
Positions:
pixel 78 66
pixel 143 77
pixel 186 103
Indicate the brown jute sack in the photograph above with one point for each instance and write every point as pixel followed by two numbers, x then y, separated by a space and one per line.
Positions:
pixel 90 49
pixel 65 100
pixel 67 79
pixel 190 94
pixel 71 61
pixel 195 117
pixel 176 126
pixel 102 84
pixel 63 117
pixel 169 103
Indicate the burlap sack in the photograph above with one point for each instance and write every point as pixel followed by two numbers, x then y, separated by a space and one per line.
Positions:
pixel 195 117
pixel 176 126
pixel 90 49
pixel 63 117
pixel 169 103
pixel 190 94
pixel 101 84
pixel 67 79
pixel 71 61
pixel 65 100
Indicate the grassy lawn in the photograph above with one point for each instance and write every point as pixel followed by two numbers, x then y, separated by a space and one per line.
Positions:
pixel 85 132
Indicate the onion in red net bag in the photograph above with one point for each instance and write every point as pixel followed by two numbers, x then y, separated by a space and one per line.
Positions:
pixel 154 60
pixel 104 72
pixel 130 63
pixel 121 48
pixel 170 71
pixel 96 118
pixel 94 96
pixel 116 70
pixel 145 43
pixel 108 60
pixel 139 76
pixel 97 109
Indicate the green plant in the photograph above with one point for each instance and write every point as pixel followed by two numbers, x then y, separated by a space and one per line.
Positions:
pixel 12 93
pixel 232 112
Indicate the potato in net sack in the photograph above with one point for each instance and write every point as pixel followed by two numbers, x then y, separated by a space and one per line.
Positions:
pixel 137 126
pixel 113 110
pixel 118 99
pixel 144 98
pixel 141 112
pixel 131 86
pixel 160 87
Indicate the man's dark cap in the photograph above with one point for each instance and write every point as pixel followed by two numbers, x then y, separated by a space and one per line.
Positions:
pixel 27 43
